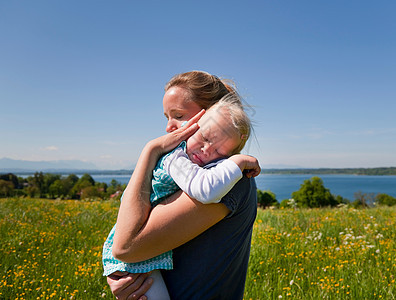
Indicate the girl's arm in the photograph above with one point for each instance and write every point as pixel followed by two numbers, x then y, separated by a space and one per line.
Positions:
pixel 207 185
pixel 248 164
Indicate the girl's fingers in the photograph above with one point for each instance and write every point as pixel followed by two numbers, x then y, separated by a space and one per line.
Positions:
pixel 189 123
pixel 169 141
pixel 186 133
pixel 196 118
pixel 190 128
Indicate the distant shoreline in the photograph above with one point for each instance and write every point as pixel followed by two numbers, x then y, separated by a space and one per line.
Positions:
pixel 337 171
pixel 314 171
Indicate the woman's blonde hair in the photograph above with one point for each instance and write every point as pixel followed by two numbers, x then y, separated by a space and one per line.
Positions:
pixel 231 104
pixel 205 89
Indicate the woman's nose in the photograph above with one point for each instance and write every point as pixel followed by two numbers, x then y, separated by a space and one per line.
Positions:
pixel 171 126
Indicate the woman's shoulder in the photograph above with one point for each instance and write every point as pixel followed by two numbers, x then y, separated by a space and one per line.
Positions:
pixel 244 187
pixel 242 197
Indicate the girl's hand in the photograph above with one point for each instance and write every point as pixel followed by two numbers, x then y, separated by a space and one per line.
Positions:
pixel 171 140
pixel 248 164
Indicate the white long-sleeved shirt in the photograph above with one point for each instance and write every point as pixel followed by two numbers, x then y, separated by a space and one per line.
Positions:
pixel 206 184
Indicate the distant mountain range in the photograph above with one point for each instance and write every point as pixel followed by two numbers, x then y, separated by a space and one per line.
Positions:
pixel 281 166
pixel 15 166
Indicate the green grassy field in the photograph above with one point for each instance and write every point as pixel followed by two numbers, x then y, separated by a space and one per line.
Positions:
pixel 323 254
pixel 52 250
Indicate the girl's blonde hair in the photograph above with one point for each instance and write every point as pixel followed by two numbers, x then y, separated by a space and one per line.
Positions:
pixel 205 89
pixel 231 104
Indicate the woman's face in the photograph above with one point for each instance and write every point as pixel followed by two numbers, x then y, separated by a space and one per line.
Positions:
pixel 178 107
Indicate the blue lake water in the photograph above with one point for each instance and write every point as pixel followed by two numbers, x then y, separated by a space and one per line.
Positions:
pixel 344 185
pixel 284 185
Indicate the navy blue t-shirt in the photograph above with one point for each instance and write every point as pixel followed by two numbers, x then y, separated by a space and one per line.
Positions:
pixel 214 264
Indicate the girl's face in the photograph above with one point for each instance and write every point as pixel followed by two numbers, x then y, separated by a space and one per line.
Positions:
pixel 216 138
pixel 178 107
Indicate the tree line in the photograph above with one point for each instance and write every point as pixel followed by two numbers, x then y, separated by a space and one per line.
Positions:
pixel 312 192
pixel 56 186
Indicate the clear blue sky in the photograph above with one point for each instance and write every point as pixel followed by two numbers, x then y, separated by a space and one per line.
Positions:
pixel 84 79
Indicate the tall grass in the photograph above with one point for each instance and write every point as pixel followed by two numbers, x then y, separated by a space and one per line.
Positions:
pixel 52 250
pixel 323 254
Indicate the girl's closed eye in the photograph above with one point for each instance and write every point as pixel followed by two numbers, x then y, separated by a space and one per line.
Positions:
pixel 220 154
pixel 204 138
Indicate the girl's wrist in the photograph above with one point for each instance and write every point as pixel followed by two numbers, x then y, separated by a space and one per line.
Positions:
pixel 154 149
pixel 238 160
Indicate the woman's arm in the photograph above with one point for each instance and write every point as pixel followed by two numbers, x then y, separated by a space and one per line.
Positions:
pixel 169 225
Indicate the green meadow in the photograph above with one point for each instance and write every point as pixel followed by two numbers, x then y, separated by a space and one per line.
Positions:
pixel 323 254
pixel 51 249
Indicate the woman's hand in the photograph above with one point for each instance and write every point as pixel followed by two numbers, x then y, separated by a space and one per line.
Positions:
pixel 171 140
pixel 125 285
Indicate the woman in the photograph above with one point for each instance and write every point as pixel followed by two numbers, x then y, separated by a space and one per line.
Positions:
pixel 211 243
